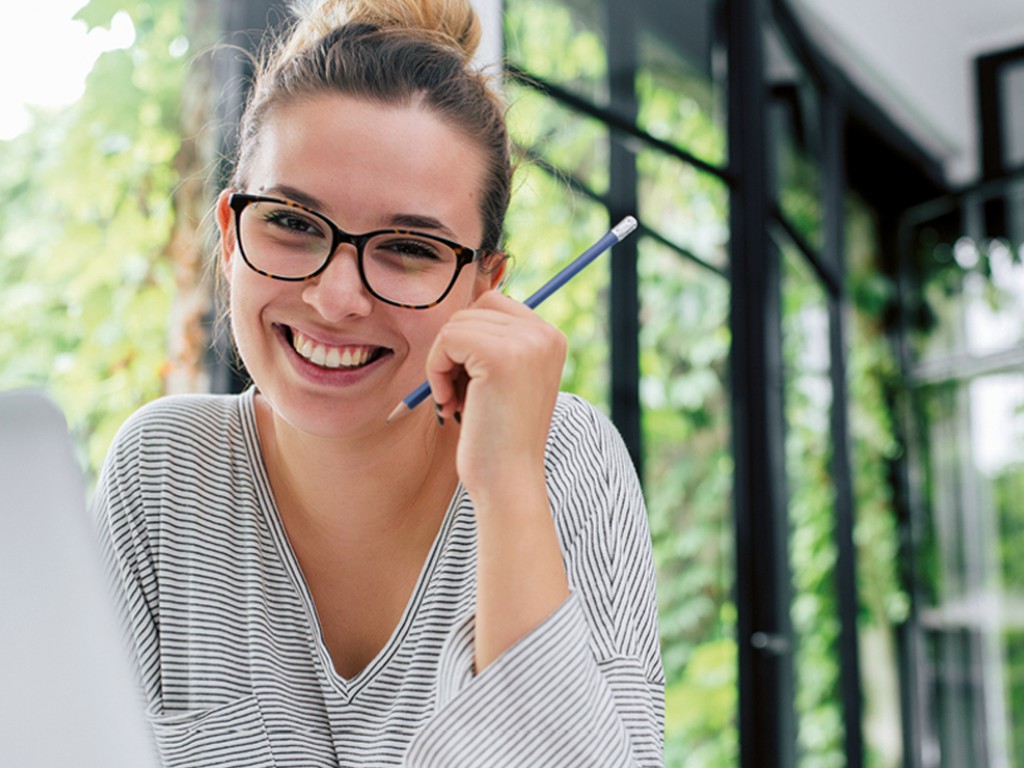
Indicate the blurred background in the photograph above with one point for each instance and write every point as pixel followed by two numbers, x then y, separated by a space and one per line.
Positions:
pixel 814 348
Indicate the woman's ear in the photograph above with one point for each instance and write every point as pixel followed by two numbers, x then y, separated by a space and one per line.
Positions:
pixel 492 267
pixel 226 228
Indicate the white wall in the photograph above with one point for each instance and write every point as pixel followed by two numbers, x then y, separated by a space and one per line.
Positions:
pixel 916 58
pixel 491 48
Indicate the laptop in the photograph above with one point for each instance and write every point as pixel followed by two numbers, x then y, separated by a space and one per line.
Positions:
pixel 67 694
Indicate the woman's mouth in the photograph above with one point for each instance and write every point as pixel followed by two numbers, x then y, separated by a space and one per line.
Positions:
pixel 348 357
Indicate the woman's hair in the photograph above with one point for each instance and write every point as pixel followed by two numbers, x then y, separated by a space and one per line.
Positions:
pixel 392 52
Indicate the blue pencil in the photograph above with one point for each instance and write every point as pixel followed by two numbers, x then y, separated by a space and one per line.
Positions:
pixel 616 234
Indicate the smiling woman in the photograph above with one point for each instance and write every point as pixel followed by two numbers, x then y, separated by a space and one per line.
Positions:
pixel 308 584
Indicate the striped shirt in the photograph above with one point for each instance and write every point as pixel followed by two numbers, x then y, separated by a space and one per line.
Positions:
pixel 235 669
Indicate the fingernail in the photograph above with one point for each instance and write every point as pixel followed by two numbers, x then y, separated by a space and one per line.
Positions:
pixel 458 417
pixel 437 414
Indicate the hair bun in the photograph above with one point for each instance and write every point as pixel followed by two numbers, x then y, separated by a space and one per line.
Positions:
pixel 451 22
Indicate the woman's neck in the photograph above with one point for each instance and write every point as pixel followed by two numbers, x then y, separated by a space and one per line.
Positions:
pixel 396 480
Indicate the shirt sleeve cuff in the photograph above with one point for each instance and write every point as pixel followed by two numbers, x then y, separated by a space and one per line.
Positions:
pixel 543 702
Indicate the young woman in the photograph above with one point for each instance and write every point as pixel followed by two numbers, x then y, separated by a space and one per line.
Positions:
pixel 309 584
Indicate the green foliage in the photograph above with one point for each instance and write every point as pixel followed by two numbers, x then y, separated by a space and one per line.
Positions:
pixel 872 377
pixel 701 708
pixel 548 225
pixel 799 185
pixel 99 13
pixel 1008 489
pixel 685 120
pixel 87 215
pixel 535 29
pixel 814 609
pixel 1013 645
pixel 688 466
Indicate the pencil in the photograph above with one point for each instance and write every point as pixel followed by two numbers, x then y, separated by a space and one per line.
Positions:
pixel 616 234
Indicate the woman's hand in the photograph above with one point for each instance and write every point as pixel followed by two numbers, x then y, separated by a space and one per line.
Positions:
pixel 498 366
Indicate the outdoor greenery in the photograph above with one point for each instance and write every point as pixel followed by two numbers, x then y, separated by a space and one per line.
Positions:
pixel 1008 488
pixel 85 282
pixel 874 381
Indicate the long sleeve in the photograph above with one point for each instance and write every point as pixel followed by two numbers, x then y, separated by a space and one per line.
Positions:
pixel 586 687
pixel 117 509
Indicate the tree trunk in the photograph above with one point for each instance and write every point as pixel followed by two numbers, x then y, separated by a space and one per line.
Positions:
pixel 189 250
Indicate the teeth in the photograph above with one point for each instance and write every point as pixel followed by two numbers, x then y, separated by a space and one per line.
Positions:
pixel 330 357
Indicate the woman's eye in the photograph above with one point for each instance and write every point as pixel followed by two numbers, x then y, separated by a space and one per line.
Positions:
pixel 410 248
pixel 294 223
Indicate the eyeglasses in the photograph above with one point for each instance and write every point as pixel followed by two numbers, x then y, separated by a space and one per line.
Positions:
pixel 287 241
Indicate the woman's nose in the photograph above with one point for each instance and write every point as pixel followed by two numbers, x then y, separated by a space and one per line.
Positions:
pixel 338 291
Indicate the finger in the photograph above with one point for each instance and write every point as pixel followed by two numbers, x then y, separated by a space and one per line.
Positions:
pixel 442 373
pixel 495 337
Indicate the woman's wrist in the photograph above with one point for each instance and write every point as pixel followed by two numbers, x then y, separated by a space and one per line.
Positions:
pixel 510 491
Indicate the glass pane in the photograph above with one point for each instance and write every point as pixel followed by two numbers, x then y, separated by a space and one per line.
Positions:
pixel 560 41
pixel 1015 215
pixel 992 295
pixel 814 611
pixel 679 98
pixel 688 483
pixel 794 141
pixel 973 297
pixel 953 698
pixel 997 442
pixel 874 447
pixel 1012 102
pixel 685 206
pixel 974 473
pixel 548 226
pixel 550 133
pixel 1014 671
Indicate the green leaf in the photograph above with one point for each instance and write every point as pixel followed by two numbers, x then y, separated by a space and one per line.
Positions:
pixel 100 13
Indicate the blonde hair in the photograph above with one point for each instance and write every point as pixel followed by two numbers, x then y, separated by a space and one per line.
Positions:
pixel 390 52
pixel 449 22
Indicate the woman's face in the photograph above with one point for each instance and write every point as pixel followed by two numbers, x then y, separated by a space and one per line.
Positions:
pixel 328 356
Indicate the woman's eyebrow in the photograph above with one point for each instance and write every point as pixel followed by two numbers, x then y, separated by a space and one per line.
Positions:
pixel 418 221
pixel 293 194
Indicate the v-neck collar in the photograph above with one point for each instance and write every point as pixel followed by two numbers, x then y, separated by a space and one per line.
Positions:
pixel 347 688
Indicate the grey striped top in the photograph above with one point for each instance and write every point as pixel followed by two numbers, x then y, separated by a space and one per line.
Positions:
pixel 234 668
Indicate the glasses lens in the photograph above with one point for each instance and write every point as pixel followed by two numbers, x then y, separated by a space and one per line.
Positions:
pixel 407 268
pixel 282 240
